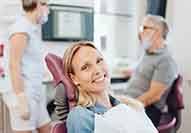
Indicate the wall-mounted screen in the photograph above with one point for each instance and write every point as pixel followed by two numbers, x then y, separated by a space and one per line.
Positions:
pixel 69 23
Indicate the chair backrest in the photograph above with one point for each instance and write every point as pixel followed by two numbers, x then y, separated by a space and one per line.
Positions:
pixel 175 100
pixel 55 66
pixel 171 120
pixel 175 97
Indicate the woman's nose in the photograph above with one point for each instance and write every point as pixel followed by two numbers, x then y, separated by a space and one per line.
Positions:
pixel 97 69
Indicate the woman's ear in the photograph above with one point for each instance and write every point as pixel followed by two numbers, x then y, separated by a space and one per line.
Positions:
pixel 74 79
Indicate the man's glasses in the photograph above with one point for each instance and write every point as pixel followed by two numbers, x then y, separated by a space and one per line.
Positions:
pixel 142 28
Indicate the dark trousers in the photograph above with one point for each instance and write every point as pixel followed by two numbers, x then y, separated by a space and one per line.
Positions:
pixel 154 114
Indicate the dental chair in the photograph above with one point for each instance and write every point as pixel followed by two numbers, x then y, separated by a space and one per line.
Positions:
pixel 66 99
pixel 171 120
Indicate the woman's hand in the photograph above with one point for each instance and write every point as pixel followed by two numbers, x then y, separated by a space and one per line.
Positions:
pixel 23 106
pixel 138 105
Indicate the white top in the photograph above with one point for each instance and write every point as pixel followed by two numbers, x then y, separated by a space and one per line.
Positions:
pixel 124 119
pixel 32 60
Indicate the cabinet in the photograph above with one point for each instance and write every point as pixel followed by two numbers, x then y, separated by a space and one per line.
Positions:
pixel 4 118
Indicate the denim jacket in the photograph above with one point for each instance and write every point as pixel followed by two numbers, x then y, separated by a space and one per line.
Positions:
pixel 81 119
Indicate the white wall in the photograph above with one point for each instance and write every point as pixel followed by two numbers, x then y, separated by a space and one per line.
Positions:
pixel 116 20
pixel 181 34
pixel 7 16
pixel 8 11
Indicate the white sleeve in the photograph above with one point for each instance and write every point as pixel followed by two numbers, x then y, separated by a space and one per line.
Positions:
pixel 18 27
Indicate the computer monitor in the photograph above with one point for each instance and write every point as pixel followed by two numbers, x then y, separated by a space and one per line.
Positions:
pixel 69 23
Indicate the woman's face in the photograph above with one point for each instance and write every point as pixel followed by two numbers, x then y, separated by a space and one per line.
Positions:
pixel 43 12
pixel 90 70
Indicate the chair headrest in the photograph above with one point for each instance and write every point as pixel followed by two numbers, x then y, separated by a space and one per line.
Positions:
pixel 55 66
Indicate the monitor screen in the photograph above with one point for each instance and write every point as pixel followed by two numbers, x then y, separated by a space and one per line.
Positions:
pixel 69 23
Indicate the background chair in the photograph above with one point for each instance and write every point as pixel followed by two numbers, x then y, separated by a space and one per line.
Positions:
pixel 171 120
pixel 2 74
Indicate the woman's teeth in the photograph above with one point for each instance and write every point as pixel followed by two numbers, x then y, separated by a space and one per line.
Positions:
pixel 99 79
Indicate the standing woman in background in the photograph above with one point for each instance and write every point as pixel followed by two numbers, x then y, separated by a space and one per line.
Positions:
pixel 26 99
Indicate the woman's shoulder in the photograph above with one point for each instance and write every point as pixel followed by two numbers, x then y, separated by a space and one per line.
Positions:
pixel 80 119
pixel 19 26
pixel 83 112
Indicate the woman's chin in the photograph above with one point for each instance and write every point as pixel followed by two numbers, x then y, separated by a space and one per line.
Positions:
pixel 100 88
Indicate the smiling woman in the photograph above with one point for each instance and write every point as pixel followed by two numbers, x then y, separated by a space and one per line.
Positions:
pixel 87 70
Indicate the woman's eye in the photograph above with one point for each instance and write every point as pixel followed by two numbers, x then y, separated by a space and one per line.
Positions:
pixel 99 60
pixel 43 4
pixel 84 67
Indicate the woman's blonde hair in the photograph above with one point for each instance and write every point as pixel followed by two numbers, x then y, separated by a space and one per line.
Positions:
pixel 84 98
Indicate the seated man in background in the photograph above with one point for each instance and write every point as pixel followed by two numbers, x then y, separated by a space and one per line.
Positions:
pixel 151 81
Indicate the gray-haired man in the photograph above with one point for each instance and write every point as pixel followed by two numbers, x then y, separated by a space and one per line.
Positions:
pixel 157 70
